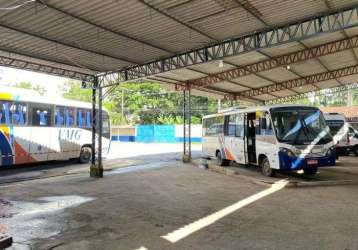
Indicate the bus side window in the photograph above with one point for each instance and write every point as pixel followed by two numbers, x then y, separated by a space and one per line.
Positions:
pixel 59 117
pixel 69 117
pixel 205 122
pixel 2 116
pixel 230 125
pixel 18 113
pixel 88 119
pixel 5 113
pixel 80 118
pixel 220 125
pixel 239 129
pixel 41 115
pixel 265 125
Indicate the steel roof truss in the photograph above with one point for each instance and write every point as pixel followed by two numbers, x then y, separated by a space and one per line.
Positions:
pixel 299 56
pixel 289 33
pixel 303 95
pixel 37 67
pixel 301 81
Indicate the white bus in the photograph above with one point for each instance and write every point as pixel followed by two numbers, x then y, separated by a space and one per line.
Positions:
pixel 35 128
pixel 344 136
pixel 280 137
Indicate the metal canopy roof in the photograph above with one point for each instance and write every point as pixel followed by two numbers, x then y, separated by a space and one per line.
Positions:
pixel 269 48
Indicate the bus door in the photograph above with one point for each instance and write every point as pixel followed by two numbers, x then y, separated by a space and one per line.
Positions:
pixel 250 135
pixel 237 144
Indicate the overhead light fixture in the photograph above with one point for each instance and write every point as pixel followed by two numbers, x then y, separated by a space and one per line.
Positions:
pixel 221 64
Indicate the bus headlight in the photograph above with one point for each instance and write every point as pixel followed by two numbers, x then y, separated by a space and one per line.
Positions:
pixel 330 151
pixel 287 151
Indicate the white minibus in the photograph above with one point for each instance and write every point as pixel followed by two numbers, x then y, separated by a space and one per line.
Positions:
pixel 279 137
pixel 344 136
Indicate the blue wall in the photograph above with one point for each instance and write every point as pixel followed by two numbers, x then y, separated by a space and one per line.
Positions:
pixel 155 133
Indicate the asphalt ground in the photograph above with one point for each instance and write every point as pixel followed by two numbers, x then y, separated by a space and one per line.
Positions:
pixel 157 202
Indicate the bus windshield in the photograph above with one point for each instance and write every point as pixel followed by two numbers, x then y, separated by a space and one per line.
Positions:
pixel 300 125
pixel 335 126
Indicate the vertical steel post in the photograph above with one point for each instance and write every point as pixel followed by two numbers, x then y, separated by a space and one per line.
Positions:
pixel 187 125
pixel 100 131
pixel 96 169
pixel 93 156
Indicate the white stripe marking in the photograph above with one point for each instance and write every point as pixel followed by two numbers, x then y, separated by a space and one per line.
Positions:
pixel 210 219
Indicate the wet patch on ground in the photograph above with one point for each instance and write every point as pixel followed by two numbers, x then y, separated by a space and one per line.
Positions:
pixel 42 219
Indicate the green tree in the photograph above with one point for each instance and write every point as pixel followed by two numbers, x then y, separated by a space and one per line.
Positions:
pixel 149 103
pixel 28 85
pixel 143 103
pixel 73 90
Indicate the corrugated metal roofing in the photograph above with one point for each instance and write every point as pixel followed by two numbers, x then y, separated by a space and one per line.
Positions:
pixel 105 35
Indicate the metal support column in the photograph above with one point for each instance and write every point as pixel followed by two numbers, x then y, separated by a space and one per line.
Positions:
pixel 96 169
pixel 187 124
pixel 100 130
pixel 93 156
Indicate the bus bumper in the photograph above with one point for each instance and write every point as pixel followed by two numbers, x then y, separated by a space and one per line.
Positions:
pixel 297 163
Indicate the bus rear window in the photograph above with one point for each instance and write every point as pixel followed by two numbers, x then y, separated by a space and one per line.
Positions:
pixel 335 126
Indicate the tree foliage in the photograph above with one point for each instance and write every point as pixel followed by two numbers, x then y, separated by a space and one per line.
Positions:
pixel 143 103
pixel 150 103
pixel 28 85
pixel 73 90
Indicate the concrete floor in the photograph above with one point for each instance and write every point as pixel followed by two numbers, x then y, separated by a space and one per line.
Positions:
pixel 132 207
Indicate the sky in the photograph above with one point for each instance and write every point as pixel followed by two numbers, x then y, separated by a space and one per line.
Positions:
pixel 10 76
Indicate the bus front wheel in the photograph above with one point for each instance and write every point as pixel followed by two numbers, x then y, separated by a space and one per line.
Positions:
pixel 266 169
pixel 85 155
pixel 220 160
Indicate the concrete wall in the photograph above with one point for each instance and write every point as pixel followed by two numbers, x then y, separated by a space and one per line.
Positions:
pixel 123 133
pixel 154 133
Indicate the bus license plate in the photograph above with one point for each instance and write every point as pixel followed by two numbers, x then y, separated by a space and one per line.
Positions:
pixel 312 162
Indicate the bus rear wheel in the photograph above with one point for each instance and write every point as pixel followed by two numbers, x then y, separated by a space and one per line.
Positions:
pixel 85 155
pixel 220 160
pixel 266 169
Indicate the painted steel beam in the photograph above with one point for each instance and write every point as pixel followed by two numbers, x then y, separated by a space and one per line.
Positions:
pixel 317 93
pixel 44 68
pixel 275 62
pixel 311 79
pixel 314 26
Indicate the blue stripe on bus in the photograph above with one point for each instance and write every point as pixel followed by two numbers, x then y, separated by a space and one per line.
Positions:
pixel 5 151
